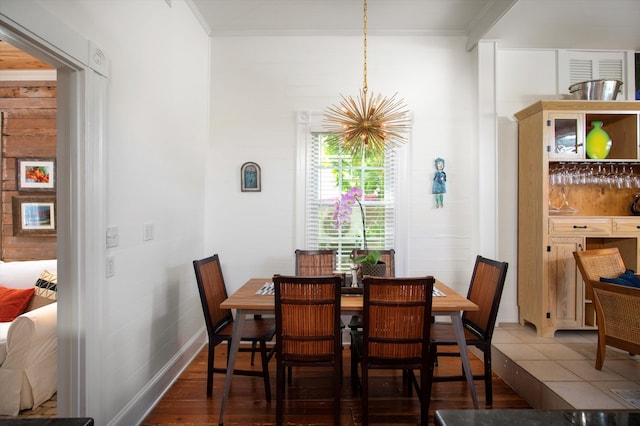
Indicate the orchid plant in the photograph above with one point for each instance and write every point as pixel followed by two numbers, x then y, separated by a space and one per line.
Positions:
pixel 342 215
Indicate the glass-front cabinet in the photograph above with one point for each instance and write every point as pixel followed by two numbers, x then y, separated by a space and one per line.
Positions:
pixel 573 195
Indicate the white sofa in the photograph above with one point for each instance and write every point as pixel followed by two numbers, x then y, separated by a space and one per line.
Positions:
pixel 28 344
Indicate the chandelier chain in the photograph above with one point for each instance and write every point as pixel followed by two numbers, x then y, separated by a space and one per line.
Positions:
pixel 364 31
pixel 367 123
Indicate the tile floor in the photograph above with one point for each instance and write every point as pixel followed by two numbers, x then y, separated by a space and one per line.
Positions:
pixel 559 372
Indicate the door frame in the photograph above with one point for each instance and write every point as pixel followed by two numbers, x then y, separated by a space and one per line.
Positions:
pixel 81 193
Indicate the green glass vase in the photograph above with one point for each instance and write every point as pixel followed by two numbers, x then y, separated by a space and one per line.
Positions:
pixel 598 142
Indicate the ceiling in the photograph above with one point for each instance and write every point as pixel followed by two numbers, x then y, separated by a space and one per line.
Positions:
pixel 550 24
pixel 578 24
pixel 12 58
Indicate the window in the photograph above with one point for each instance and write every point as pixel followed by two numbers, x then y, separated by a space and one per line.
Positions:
pixel 327 173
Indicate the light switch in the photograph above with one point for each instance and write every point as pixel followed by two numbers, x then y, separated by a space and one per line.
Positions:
pixel 113 238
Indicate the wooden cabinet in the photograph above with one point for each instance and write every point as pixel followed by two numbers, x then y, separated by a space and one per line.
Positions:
pixel 569 202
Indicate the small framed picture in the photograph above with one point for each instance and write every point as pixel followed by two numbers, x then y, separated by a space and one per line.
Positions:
pixel 34 215
pixel 36 174
pixel 250 177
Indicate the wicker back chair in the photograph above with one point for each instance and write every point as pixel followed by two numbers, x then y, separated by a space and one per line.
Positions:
pixel 386 256
pixel 598 263
pixel 307 330
pixel 315 263
pixel 395 334
pixel 485 290
pixel 219 323
pixel 617 309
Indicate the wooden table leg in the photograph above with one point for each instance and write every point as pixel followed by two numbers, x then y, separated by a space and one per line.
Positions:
pixel 238 325
pixel 456 319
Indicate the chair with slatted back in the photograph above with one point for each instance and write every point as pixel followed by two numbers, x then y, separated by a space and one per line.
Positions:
pixel 395 334
pixel 485 290
pixel 315 263
pixel 307 330
pixel 219 323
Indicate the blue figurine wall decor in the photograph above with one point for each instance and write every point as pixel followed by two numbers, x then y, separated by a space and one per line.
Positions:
pixel 439 182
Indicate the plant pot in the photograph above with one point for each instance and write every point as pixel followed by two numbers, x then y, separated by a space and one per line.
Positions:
pixel 378 270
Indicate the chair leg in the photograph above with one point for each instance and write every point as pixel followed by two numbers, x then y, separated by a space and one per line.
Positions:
pixel 426 381
pixel 600 353
pixel 337 382
pixel 253 351
pixel 365 395
pixel 279 392
pixel 354 369
pixel 211 357
pixel 265 369
pixel 488 388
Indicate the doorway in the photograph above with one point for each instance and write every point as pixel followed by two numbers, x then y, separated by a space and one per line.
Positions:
pixel 81 99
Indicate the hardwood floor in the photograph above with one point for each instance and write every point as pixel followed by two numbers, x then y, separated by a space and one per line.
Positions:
pixel 309 399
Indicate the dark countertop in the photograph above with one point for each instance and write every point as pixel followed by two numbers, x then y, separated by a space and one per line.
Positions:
pixel 537 417
pixel 56 421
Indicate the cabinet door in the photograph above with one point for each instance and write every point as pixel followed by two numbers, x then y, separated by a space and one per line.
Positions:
pixel 565 136
pixel 565 298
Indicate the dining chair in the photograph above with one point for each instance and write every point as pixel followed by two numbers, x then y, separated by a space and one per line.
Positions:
pixel 315 263
pixel 219 323
pixel 307 330
pixel 485 290
pixel 395 334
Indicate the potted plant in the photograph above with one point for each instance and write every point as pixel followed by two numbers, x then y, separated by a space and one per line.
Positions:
pixel 368 263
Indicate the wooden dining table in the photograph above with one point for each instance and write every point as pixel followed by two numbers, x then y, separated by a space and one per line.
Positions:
pixel 247 301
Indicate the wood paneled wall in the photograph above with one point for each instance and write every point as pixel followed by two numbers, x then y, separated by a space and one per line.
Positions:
pixel 28 131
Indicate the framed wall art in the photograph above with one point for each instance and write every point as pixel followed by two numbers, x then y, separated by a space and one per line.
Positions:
pixel 250 179
pixel 35 174
pixel 34 215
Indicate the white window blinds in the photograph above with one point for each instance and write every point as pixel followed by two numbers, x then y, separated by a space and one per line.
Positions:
pixel 330 173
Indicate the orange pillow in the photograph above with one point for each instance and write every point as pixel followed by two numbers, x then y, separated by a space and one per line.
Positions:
pixel 13 302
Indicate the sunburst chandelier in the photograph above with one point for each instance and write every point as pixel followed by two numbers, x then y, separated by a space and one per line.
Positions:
pixel 368 123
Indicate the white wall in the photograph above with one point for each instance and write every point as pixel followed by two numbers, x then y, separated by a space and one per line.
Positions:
pixel 146 316
pixel 523 77
pixel 258 85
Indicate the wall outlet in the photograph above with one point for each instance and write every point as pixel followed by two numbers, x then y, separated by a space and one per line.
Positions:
pixel 110 267
pixel 148 232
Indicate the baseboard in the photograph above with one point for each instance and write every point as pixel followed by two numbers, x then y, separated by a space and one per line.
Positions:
pixel 144 401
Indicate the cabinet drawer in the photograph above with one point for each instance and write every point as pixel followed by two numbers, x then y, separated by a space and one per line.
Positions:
pixel 626 225
pixel 577 226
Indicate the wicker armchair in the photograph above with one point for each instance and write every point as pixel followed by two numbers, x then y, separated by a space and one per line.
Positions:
pixel 617 309
pixel 598 263
pixel 616 306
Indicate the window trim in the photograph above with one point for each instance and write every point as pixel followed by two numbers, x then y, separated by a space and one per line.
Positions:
pixel 310 122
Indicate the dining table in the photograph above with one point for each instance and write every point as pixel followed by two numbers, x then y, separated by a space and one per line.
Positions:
pixel 255 298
